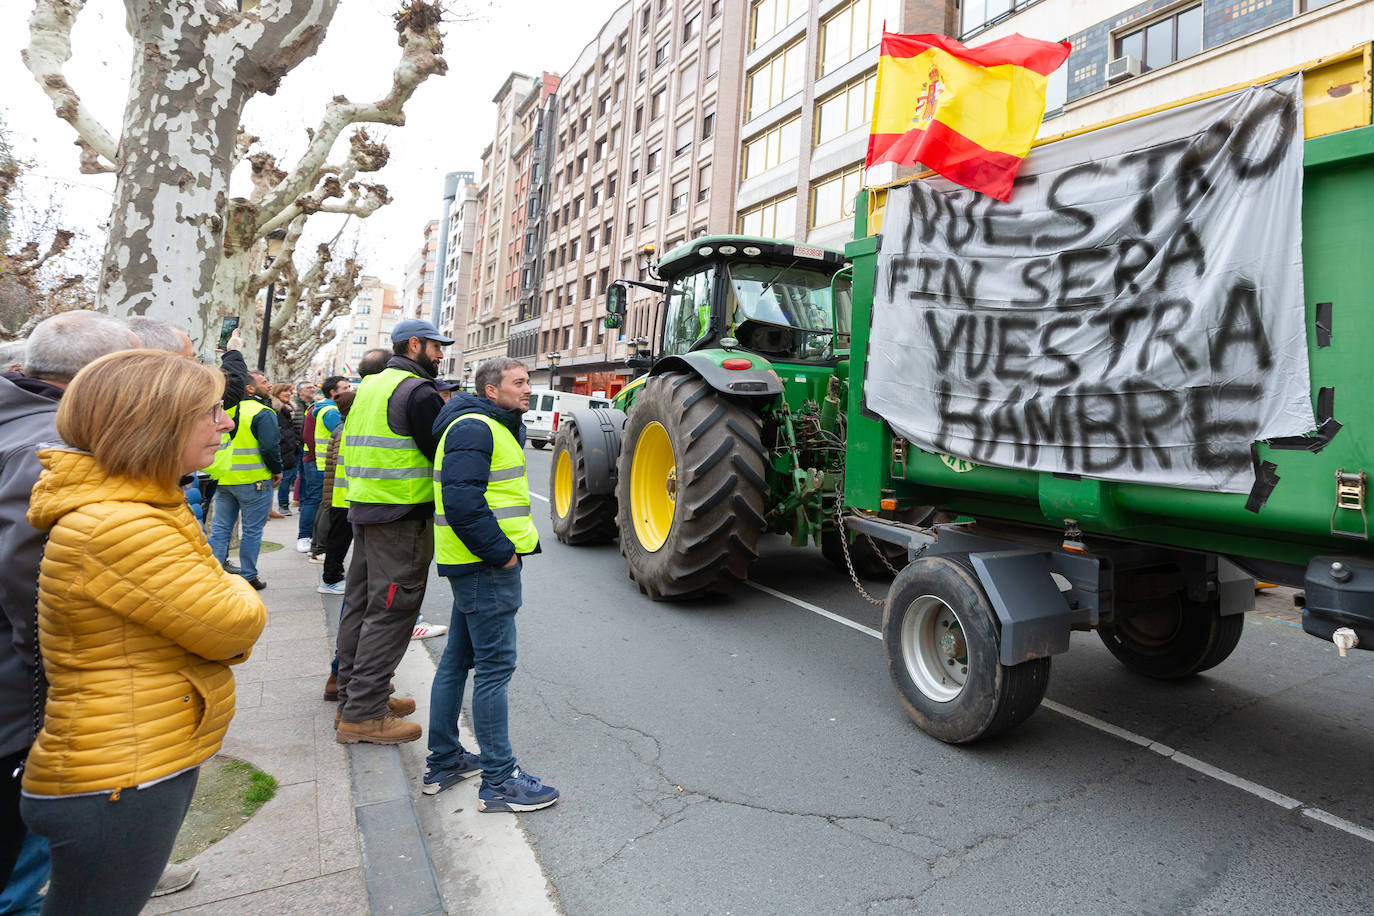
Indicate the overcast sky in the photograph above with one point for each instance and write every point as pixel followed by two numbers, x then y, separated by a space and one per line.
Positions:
pixel 449 120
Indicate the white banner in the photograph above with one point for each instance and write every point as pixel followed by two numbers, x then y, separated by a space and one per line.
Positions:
pixel 1135 313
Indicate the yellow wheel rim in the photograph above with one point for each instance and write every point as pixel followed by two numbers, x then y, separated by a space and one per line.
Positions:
pixel 653 487
pixel 562 484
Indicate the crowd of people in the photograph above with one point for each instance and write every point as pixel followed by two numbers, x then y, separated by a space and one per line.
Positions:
pixel 122 613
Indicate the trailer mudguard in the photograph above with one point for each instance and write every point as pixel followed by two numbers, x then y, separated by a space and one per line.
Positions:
pixel 600 429
pixel 754 383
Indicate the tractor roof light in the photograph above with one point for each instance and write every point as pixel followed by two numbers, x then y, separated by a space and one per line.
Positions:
pixel 705 250
pixel 752 251
pixel 737 362
pixel 728 249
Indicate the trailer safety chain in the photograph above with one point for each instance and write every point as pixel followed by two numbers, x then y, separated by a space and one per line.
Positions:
pixel 849 562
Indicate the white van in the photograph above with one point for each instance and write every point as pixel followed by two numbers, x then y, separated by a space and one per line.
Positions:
pixel 541 420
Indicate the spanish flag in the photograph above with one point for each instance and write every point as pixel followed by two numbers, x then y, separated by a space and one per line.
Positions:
pixel 968 113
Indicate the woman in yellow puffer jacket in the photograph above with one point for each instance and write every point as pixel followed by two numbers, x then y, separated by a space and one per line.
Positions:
pixel 137 625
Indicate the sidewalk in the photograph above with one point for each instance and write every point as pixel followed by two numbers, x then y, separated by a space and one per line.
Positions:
pixel 343 835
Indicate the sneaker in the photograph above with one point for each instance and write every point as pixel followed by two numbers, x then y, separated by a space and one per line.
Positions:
pixel 331 588
pixel 231 569
pixel 427 630
pixel 302 545
pixel 519 792
pixel 175 877
pixel 284 510
pixel 447 777
pixel 257 583
pixel 385 729
pixel 316 558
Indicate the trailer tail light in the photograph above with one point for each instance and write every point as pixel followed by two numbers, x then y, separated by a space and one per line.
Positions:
pixel 736 363
pixel 554 427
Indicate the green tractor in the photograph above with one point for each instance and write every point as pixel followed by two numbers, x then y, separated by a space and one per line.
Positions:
pixel 737 428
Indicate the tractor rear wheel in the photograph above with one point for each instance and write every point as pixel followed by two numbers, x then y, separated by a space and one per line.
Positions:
pixel 579 516
pixel 691 489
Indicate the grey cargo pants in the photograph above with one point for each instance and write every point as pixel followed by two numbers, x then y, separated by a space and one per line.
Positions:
pixel 382 598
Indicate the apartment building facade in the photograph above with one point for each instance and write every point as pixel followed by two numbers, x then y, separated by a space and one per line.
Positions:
pixel 456 275
pixel 1130 56
pixel 373 314
pixel 644 153
pixel 503 200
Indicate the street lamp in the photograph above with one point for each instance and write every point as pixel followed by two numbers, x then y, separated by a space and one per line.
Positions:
pixel 467 378
pixel 553 370
pixel 274 243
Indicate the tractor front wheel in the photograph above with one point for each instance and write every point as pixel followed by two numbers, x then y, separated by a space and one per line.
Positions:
pixel 690 489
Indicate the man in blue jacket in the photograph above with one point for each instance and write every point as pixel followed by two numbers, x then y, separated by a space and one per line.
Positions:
pixel 482 527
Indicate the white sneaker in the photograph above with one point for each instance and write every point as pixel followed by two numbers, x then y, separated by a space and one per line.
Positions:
pixel 316 558
pixel 426 630
pixel 303 545
pixel 327 588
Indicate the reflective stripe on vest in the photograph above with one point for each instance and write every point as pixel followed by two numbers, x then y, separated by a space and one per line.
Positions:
pixel 507 496
pixel 381 466
pixel 338 496
pixel 245 463
pixel 322 434
pixel 221 463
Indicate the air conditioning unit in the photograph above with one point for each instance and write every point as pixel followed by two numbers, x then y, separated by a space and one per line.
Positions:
pixel 1122 68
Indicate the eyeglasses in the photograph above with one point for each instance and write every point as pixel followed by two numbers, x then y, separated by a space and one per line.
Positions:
pixel 216 413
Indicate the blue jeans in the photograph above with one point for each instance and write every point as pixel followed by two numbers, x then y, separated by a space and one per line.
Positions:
pixel 22 895
pixel 288 477
pixel 312 487
pixel 481 638
pixel 254 500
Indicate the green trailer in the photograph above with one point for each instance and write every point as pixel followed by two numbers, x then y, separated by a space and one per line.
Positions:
pixel 772 405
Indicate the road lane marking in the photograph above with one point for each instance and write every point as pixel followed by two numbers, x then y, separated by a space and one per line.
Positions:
pixel 539 496
pixel 1264 793
pixel 815 610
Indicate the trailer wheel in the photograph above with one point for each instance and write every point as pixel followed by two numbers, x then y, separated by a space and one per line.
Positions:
pixel 940 634
pixel 1174 638
pixel 690 489
pixel 579 516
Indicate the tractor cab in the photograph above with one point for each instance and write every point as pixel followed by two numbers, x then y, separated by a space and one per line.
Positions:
pixel 768 297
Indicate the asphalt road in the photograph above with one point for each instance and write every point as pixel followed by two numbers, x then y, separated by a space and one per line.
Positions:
pixel 748 755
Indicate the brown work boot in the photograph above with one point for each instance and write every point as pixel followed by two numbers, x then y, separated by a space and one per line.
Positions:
pixel 399 708
pixel 331 688
pixel 385 729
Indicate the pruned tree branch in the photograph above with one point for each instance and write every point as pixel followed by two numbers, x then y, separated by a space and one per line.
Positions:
pixel 422 46
pixel 50 47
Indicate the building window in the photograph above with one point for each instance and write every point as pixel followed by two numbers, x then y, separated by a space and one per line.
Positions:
pixel 644 20
pixel 643 66
pixel 777 78
pixel 573 248
pixel 715 8
pixel 687 80
pixel 780 143
pixel 603 105
pixel 976 15
pixel 832 198
pixel 654 161
pixel 581 163
pixel 845 110
pixel 703 183
pixel 615 139
pixel 610 187
pixel 678 203
pixel 682 138
pixel 849 33
pixel 639 117
pixel 656 104
pixel 713 60
pixel 774 219
pixel 634 169
pixel 768 17
pixel 1163 41
pixel 606 233
pixel 588 287
pixel 650 210
pixel 629 221
pixel 708 123
pixel 596 195
pixel 591 241
pixel 577 207
pixel 689 28
pixel 661 52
